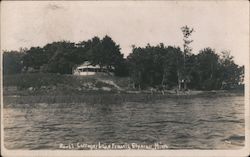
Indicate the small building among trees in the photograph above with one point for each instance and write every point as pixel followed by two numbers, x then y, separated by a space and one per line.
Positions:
pixel 87 69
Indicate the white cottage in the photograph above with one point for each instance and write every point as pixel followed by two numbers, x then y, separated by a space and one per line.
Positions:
pixel 87 69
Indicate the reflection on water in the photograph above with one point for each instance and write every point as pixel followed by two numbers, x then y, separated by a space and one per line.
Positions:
pixel 197 123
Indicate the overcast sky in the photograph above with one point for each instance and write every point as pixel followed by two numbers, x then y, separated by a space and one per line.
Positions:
pixel 219 25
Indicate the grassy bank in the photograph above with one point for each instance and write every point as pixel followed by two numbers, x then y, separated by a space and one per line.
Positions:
pixel 56 84
pixel 108 98
pixel 54 88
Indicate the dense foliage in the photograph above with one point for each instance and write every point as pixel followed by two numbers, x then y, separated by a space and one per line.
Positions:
pixel 61 57
pixel 12 62
pixel 160 66
pixel 154 66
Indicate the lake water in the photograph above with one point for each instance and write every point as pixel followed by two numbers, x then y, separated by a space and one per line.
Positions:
pixel 186 123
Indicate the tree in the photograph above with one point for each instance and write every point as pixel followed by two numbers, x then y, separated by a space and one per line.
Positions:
pixel 12 62
pixel 35 57
pixel 173 60
pixel 88 49
pixel 232 74
pixel 121 68
pixel 106 53
pixel 185 76
pixel 209 70
pixel 136 66
pixel 154 66
pixel 63 58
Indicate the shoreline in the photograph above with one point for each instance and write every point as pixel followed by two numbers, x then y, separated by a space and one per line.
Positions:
pixel 111 97
pixel 53 88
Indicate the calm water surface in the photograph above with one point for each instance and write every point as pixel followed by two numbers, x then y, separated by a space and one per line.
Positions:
pixel 196 123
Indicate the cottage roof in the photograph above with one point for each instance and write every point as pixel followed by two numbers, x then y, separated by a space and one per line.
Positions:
pixel 87 65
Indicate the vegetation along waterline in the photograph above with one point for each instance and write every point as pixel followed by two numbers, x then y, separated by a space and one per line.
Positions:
pixel 104 89
pixel 109 98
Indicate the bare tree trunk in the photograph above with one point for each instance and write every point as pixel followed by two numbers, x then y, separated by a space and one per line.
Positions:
pixel 163 78
pixel 179 80
pixel 212 70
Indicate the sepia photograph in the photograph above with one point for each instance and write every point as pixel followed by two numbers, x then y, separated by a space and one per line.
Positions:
pixel 125 78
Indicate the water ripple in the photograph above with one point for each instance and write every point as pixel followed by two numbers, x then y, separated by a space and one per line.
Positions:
pixel 197 123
